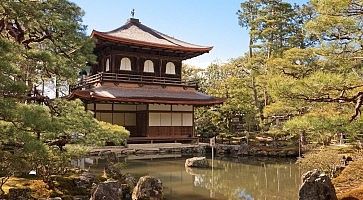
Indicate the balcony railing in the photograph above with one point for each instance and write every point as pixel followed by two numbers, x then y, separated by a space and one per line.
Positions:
pixel 131 78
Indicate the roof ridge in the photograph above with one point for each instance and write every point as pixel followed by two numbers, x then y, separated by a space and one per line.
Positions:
pixel 123 27
pixel 168 39
pixel 133 31
pixel 153 32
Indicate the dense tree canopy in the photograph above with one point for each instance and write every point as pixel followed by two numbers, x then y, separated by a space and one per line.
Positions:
pixel 322 84
pixel 302 74
pixel 42 40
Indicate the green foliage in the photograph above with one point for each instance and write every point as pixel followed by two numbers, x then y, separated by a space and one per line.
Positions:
pixel 12 163
pixel 40 41
pixel 206 123
pixel 116 171
pixel 319 125
pixel 320 88
pixel 230 81
pixel 323 160
pixel 107 133
pixel 302 76
pixel 275 25
pixel 193 74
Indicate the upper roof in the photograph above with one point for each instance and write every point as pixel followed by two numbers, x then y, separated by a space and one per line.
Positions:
pixel 135 33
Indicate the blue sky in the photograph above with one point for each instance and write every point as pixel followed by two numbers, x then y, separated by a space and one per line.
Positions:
pixel 204 22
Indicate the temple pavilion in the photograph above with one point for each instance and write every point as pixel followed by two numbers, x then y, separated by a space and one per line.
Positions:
pixel 137 84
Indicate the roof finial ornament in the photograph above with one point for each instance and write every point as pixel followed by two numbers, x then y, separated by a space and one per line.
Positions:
pixel 133 13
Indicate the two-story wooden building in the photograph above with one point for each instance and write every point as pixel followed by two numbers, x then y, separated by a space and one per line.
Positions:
pixel 137 84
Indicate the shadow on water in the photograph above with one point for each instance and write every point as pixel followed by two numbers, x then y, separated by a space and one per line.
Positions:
pixel 236 179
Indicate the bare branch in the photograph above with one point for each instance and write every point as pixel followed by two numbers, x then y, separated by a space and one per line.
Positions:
pixel 358 105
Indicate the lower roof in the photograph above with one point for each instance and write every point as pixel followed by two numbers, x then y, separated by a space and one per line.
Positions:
pixel 145 94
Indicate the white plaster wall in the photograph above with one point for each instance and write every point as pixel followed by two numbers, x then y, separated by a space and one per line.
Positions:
pixel 165 119
pixel 119 118
pixel 182 108
pixel 90 106
pixel 154 119
pixel 162 107
pixel 141 107
pixel 98 116
pixel 106 117
pixel 124 107
pixel 103 106
pixel 187 119
pixel 177 119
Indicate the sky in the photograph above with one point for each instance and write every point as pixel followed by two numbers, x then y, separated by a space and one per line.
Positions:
pixel 203 22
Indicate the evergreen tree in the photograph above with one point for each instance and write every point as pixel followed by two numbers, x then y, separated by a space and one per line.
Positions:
pixel 274 26
pixel 41 40
pixel 321 86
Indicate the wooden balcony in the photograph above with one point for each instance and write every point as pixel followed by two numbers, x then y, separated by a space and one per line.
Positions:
pixel 131 78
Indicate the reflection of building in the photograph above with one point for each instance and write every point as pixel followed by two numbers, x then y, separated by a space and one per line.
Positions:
pixel 137 83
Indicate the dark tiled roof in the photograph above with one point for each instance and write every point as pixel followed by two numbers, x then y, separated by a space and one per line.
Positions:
pixel 147 94
pixel 133 32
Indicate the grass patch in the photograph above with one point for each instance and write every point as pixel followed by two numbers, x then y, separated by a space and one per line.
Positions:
pixel 38 187
pixel 354 194
pixel 323 160
pixel 349 184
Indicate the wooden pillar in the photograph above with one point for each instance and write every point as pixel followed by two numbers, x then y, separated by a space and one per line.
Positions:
pixel 138 65
pixel 147 121
pixel 112 111
pixel 193 126
pixel 94 109
pixel 160 67
pixel 171 125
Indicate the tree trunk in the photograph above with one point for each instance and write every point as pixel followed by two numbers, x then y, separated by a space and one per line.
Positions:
pixel 254 89
pixel 56 88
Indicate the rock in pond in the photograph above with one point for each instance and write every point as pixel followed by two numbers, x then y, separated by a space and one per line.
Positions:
pixel 110 190
pixel 128 185
pixel 148 188
pixel 317 186
pixel 198 162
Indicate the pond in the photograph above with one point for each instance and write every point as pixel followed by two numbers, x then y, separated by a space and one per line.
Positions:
pixel 235 179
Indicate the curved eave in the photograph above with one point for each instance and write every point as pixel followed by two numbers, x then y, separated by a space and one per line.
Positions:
pixel 104 36
pixel 86 95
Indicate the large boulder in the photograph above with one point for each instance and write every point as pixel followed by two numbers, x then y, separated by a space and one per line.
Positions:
pixel 198 162
pixel 110 190
pixel 148 188
pixel 128 185
pixel 85 180
pixel 317 186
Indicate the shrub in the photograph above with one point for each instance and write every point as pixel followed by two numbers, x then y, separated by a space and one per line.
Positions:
pixel 324 160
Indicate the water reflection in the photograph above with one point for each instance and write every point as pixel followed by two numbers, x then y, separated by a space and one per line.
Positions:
pixel 249 180
pixel 244 179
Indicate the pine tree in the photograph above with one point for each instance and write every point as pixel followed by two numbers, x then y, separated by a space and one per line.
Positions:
pixel 42 40
pixel 321 86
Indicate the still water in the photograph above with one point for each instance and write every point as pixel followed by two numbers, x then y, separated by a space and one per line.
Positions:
pixel 233 179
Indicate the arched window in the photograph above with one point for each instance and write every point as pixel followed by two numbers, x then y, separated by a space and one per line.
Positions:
pixel 125 64
pixel 170 68
pixel 107 65
pixel 149 66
